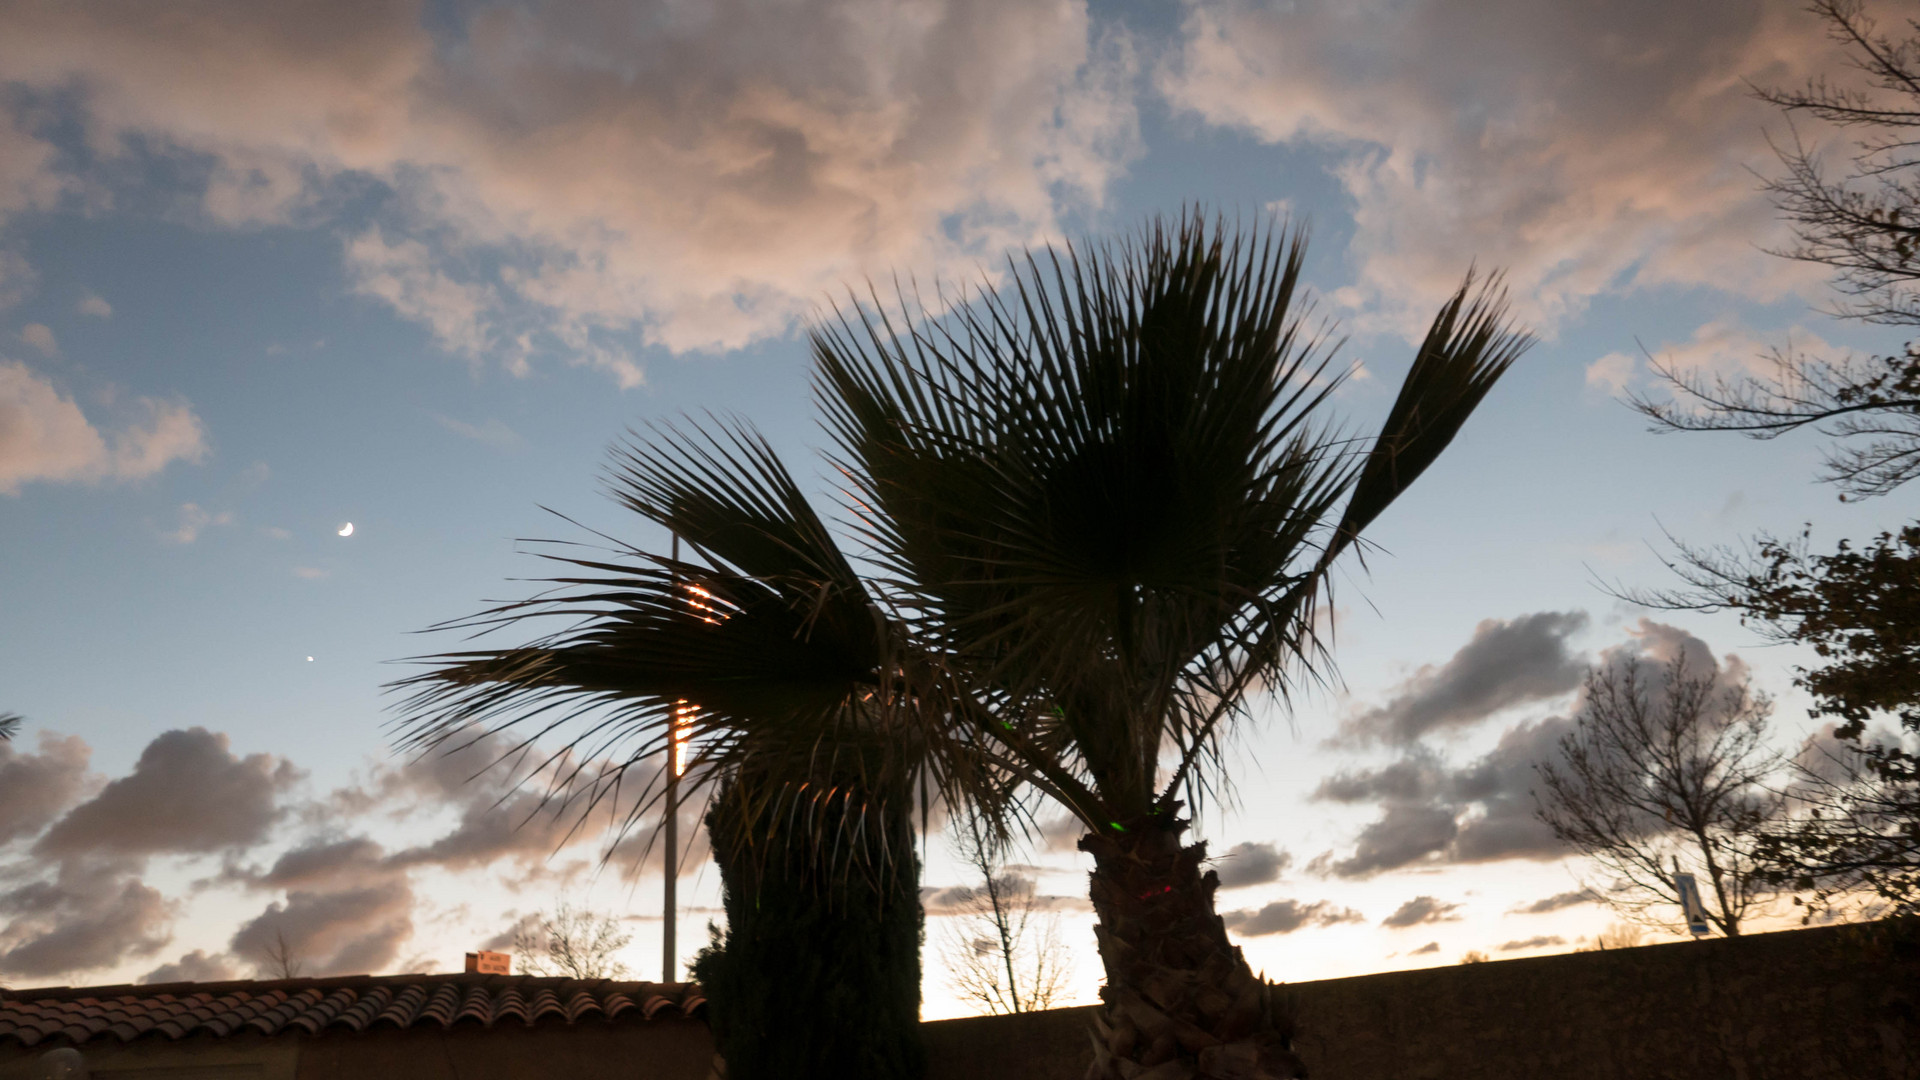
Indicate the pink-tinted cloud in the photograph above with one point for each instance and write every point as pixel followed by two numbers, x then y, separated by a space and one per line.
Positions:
pixel 45 437
pixel 702 175
pixel 1586 147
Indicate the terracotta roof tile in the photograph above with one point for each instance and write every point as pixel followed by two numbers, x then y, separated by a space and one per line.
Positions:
pixel 354 1003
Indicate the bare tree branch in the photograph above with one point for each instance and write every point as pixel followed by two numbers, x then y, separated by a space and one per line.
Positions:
pixel 1661 768
pixel 1003 950
pixel 571 941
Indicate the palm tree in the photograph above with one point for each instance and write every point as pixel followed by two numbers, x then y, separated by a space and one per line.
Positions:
pixel 1102 507
pixel 1104 492
pixel 10 725
pixel 794 703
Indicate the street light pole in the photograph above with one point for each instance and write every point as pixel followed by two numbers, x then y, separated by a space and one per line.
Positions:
pixel 669 961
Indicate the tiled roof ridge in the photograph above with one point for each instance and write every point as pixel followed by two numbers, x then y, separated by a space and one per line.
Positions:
pixel 330 982
pixel 355 1003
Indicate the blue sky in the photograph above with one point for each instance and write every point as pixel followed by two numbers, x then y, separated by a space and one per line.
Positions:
pixel 269 269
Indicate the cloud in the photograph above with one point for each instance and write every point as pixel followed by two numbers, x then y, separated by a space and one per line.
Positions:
pixel 94 913
pixel 45 437
pixel 36 788
pixel 93 304
pixel 187 793
pixel 1403 835
pixel 1429 947
pixel 1556 902
pixel 1717 349
pixel 1586 147
pixel 1540 942
pixel 493 432
pixel 195 966
pixel 1250 864
pixel 1612 373
pixel 337 932
pixel 1286 916
pixel 1505 664
pixel 1421 909
pixel 75 899
pixel 404 275
pixel 40 337
pixel 1484 811
pixel 193 521
pixel 562 179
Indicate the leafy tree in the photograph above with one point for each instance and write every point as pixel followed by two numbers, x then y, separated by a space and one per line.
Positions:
pixel 573 942
pixel 1102 503
pixel 1107 493
pixel 1003 948
pixel 1865 227
pixel 1662 763
pixel 1858 828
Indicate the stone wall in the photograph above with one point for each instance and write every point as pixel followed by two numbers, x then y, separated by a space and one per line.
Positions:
pixel 1812 1004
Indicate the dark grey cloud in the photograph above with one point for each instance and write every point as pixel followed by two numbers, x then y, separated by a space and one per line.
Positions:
pixel 1556 902
pixel 1433 812
pixel 94 913
pixel 1506 664
pixel 1429 947
pixel 36 788
pixel 1403 835
pixel 1251 864
pixel 1286 916
pixel 196 966
pixel 340 932
pixel 1421 909
pixel 187 793
pixel 1541 942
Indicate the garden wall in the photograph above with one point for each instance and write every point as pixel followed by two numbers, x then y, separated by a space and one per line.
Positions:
pixel 1813 1004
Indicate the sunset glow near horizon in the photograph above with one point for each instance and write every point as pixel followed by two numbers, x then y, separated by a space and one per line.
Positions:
pixel 309 317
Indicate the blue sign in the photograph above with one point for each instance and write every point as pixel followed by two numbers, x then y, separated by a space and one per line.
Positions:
pixel 1690 904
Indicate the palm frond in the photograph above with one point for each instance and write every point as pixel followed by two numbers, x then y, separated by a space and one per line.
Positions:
pixel 765 653
pixel 1106 489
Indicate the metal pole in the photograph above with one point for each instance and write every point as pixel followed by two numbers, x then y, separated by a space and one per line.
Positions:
pixel 669 961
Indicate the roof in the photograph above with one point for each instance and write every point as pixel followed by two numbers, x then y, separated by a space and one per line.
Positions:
pixel 351 1003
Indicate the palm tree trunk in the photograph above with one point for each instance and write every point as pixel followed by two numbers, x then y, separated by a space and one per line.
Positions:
pixel 1180 1000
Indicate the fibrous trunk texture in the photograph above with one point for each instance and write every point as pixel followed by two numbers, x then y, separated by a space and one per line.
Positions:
pixel 819 971
pixel 1180 1000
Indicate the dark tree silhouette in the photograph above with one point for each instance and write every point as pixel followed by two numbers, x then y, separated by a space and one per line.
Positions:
pixel 1664 764
pixel 1002 946
pixel 571 941
pixel 10 725
pixel 1107 492
pixel 1102 504
pixel 1857 826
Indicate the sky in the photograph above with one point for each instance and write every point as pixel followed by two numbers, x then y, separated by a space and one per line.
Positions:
pixel 268 269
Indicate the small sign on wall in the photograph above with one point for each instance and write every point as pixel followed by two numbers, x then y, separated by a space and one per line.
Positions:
pixel 489 963
pixel 1696 911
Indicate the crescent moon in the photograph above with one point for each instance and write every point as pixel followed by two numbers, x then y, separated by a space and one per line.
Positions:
pixel 347 529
